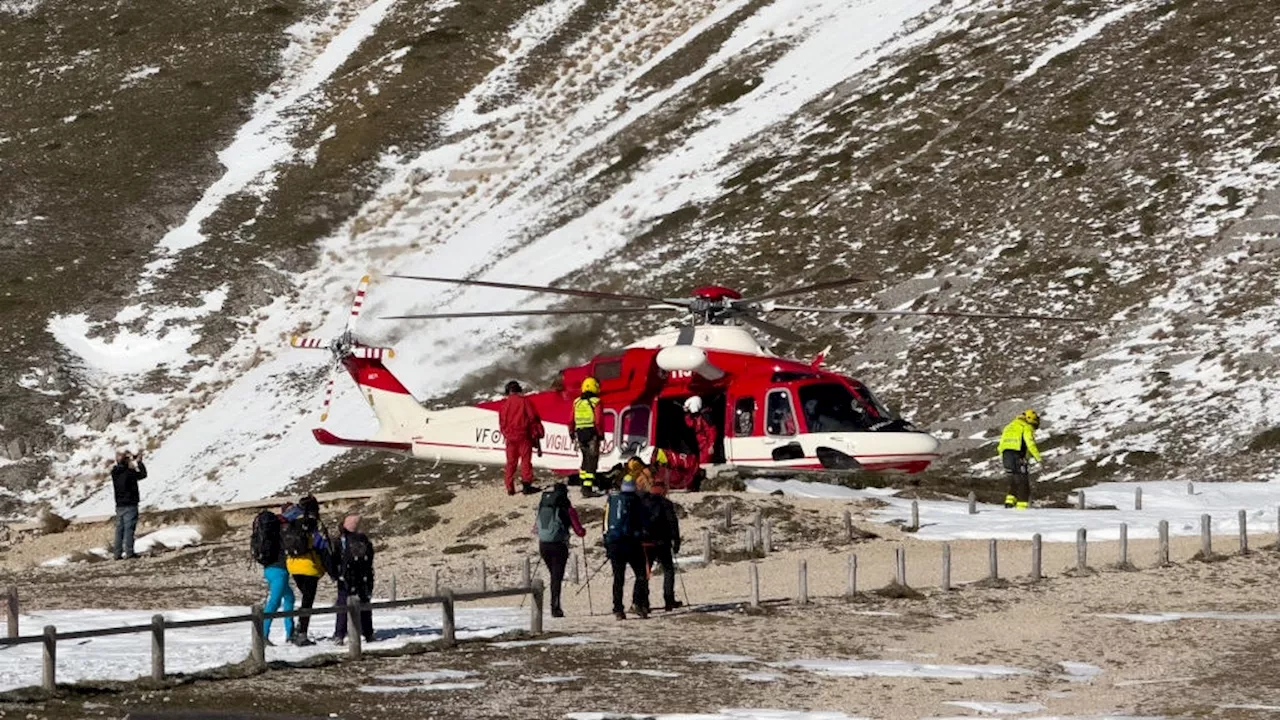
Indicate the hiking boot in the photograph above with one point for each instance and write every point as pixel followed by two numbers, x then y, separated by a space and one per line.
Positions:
pixel 511 491
pixel 557 612
pixel 644 614
pixel 619 615
pixel 672 605
pixel 590 492
pixel 339 640
pixel 300 640
pixel 530 489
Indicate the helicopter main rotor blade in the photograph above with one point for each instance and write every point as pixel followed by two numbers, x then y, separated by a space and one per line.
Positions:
pixel 543 289
pixel 523 313
pixel 930 313
pixel 828 285
pixel 773 329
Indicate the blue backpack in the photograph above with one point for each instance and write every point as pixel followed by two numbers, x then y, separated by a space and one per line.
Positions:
pixel 621 518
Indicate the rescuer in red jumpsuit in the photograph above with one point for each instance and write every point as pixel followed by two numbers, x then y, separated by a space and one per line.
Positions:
pixel 521 430
pixel 704 430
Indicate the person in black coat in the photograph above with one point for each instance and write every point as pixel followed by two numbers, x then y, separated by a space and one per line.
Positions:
pixel 664 539
pixel 125 474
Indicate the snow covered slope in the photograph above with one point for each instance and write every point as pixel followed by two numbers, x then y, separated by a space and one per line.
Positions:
pixel 969 154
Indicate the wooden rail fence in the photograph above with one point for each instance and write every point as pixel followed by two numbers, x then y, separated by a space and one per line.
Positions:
pixel 448 599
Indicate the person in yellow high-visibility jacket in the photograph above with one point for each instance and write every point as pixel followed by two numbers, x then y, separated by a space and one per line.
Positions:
pixel 587 430
pixel 1017 442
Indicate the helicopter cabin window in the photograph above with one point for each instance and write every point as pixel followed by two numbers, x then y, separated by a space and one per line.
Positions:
pixel 635 429
pixel 832 407
pixel 744 417
pixel 781 418
pixel 607 370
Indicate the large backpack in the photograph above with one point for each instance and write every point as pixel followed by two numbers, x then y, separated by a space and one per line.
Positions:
pixel 551 527
pixel 622 519
pixel 296 538
pixel 264 544
pixel 357 559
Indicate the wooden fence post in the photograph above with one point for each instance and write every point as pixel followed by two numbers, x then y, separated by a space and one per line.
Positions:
pixel 355 636
pixel 946 566
pixel 851 588
pixel 526 573
pixel 1244 533
pixel 1080 494
pixel 1191 488
pixel 753 577
pixel 1037 553
pixel 1124 544
pixel 484 577
pixel 1162 554
pixel 573 571
pixel 258 638
pixel 706 545
pixel 435 582
pixel 728 517
pixel 848 525
pixel 915 514
pixel 993 560
pixel 973 503
pixel 535 609
pixel 49 678
pixel 900 556
pixel 393 587
pixel 747 541
pixel 448 626
pixel 1206 536
pixel 157 648
pixel 768 537
pixel 757 523
pixel 804 583
pixel 11 602
pixel 1137 498
pixel 1082 550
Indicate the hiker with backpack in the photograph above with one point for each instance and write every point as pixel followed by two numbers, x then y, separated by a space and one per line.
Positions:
pixel 268 551
pixel 663 543
pixel 624 532
pixel 352 567
pixel 555 517
pixel 306 548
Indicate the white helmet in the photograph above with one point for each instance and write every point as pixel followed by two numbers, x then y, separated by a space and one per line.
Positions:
pixel 693 405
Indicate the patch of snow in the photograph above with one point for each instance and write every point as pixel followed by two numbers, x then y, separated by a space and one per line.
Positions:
pixel 425 676
pixel 728 714
pixel 1079 672
pixel 648 673
pixel 720 658
pixel 995 708
pixel 1164 617
pixel 759 677
pixel 563 640
pixel 900 668
pixel 172 538
pixel 553 679
pixel 1077 39
pixel 18 7
pixel 420 688
pixel 127 657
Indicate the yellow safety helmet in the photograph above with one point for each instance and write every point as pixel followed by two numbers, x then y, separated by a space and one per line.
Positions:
pixel 591 385
pixel 1032 417
pixel 660 457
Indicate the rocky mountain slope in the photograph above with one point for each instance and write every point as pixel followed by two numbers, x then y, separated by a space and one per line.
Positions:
pixel 184 189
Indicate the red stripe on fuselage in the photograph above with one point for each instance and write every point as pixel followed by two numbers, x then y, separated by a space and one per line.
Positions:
pixel 372 373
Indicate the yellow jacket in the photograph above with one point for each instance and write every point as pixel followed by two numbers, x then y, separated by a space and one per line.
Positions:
pixel 308 564
pixel 1020 437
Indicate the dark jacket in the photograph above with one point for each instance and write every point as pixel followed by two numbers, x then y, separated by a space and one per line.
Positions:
pixel 341 569
pixel 664 522
pixel 125 479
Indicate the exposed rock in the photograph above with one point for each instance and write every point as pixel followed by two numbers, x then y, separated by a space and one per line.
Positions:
pixel 104 413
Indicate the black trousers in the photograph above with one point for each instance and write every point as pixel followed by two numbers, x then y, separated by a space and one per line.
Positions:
pixel 622 556
pixel 307 587
pixel 556 556
pixel 366 616
pixel 661 554
pixel 589 444
pixel 1015 466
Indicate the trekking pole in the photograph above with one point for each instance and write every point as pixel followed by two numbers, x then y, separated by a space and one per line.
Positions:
pixel 591 575
pixel 590 610
pixel 685 590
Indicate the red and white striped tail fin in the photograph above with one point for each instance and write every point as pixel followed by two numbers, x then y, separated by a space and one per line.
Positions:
pixel 373 353
pixel 328 397
pixel 361 288
pixel 308 343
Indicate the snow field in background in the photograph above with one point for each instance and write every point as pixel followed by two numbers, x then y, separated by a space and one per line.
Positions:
pixel 947 520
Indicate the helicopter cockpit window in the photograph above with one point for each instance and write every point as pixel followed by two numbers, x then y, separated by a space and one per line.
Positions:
pixel 781 419
pixel 635 429
pixel 608 370
pixel 744 417
pixel 832 407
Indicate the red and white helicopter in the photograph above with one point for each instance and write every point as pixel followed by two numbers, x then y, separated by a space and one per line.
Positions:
pixel 771 413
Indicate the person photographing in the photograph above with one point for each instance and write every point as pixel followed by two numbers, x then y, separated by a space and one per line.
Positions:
pixel 125 474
